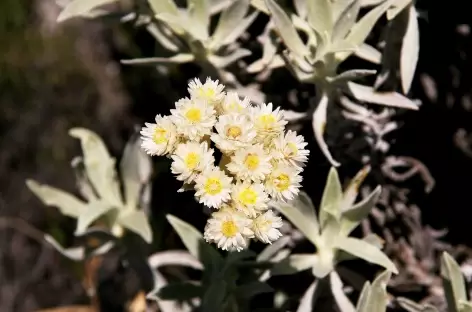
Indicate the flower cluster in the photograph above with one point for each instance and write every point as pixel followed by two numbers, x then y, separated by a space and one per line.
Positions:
pixel 258 161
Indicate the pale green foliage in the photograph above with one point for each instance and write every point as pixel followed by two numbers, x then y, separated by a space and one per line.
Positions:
pixel 454 290
pixel 99 184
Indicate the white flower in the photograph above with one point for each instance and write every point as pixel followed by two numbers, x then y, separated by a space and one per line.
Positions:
pixel 266 227
pixel 290 148
pixel 190 159
pixel 249 198
pixel 210 91
pixel 213 187
pixel 234 131
pixel 250 163
pixel 193 118
pixel 283 182
pixel 230 231
pixel 233 104
pixel 268 122
pixel 159 138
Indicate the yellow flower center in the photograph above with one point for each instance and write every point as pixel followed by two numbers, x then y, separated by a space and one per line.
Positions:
pixel 192 160
pixel 234 106
pixel 206 92
pixel 282 182
pixel 229 228
pixel 159 136
pixel 248 197
pixel 213 186
pixel 267 121
pixel 233 131
pixel 193 115
pixel 293 150
pixel 252 161
pixel 263 224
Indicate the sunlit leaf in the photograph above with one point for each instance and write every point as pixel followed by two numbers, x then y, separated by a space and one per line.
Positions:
pixel 68 204
pixel 267 253
pixel 346 20
pixel 161 6
pixel 75 253
pixel 352 189
pixel 174 257
pixel 152 61
pixel 342 301
pixel 137 222
pixel 319 124
pixel 320 16
pixel 369 53
pixel 397 7
pixel 294 263
pixel 323 263
pixel 376 298
pixel 392 99
pixel 286 30
pixel 229 20
pixel 358 212
pixel 224 61
pixel 306 302
pixel 332 197
pixel 260 5
pixel 95 210
pixel 82 180
pixel 200 16
pixel 77 8
pixel 362 301
pixel 366 252
pixel 350 75
pixel 410 50
pixel 465 306
pixel 453 281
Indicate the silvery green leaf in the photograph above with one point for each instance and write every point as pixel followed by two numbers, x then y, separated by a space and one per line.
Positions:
pixel 301 8
pixel 286 30
pixel 354 215
pixel 332 197
pixel 350 75
pixel 216 6
pixel 410 50
pixel 68 204
pixel 363 298
pixel 346 20
pixel 199 13
pixel 267 253
pixel 300 218
pixel 165 40
pixel 251 289
pixel 372 239
pixel 95 210
pixel 412 306
pixel 392 99
pixel 175 22
pixel 453 282
pixel 161 6
pixel 75 253
pixel 364 26
pixel 292 116
pixel 376 298
pixel 306 302
pixel 352 189
pixel 366 251
pixel 294 264
pixel 136 170
pixel 239 29
pixel 320 16
pixel 152 61
pixel 465 306
pixel 228 21
pixel 224 61
pixel 342 301
pixel 191 237
pixel 397 7
pixel 330 232
pixel 319 124
pixel 180 291
pixel 100 166
pixel 174 257
pixel 368 53
pixel 260 5
pixel 324 263
pixel 77 8
pixel 83 183
pixel 137 222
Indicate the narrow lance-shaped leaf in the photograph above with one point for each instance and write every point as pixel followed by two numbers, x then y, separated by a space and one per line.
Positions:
pixel 453 282
pixel 320 16
pixel 77 8
pixel 260 5
pixel 366 252
pixel 376 299
pixel 306 303
pixel 369 53
pixel 74 253
pixel 200 15
pixel 137 222
pixel 68 204
pixel 286 30
pixel 294 264
pixel 392 99
pixel 410 50
pixel 353 216
pixel 397 7
pixel 239 29
pixel 224 61
pixel 153 61
pixel 319 124
pixel 350 75
pixel 332 197
pixel 346 20
pixel 342 301
pixel 352 189
pixel 229 20
pixel 363 298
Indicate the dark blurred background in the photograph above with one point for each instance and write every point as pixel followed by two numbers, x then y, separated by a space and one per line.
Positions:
pixel 57 76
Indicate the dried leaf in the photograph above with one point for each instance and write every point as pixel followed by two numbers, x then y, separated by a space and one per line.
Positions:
pixel 412 306
pixel 410 51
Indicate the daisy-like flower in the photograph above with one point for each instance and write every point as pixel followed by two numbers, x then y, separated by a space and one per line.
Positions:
pixel 249 198
pixel 230 231
pixel 213 187
pixel 193 118
pixel 233 104
pixel 250 163
pixel 159 138
pixel 266 227
pixel 268 122
pixel 234 131
pixel 210 91
pixel 283 183
pixel 190 159
pixel 290 148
